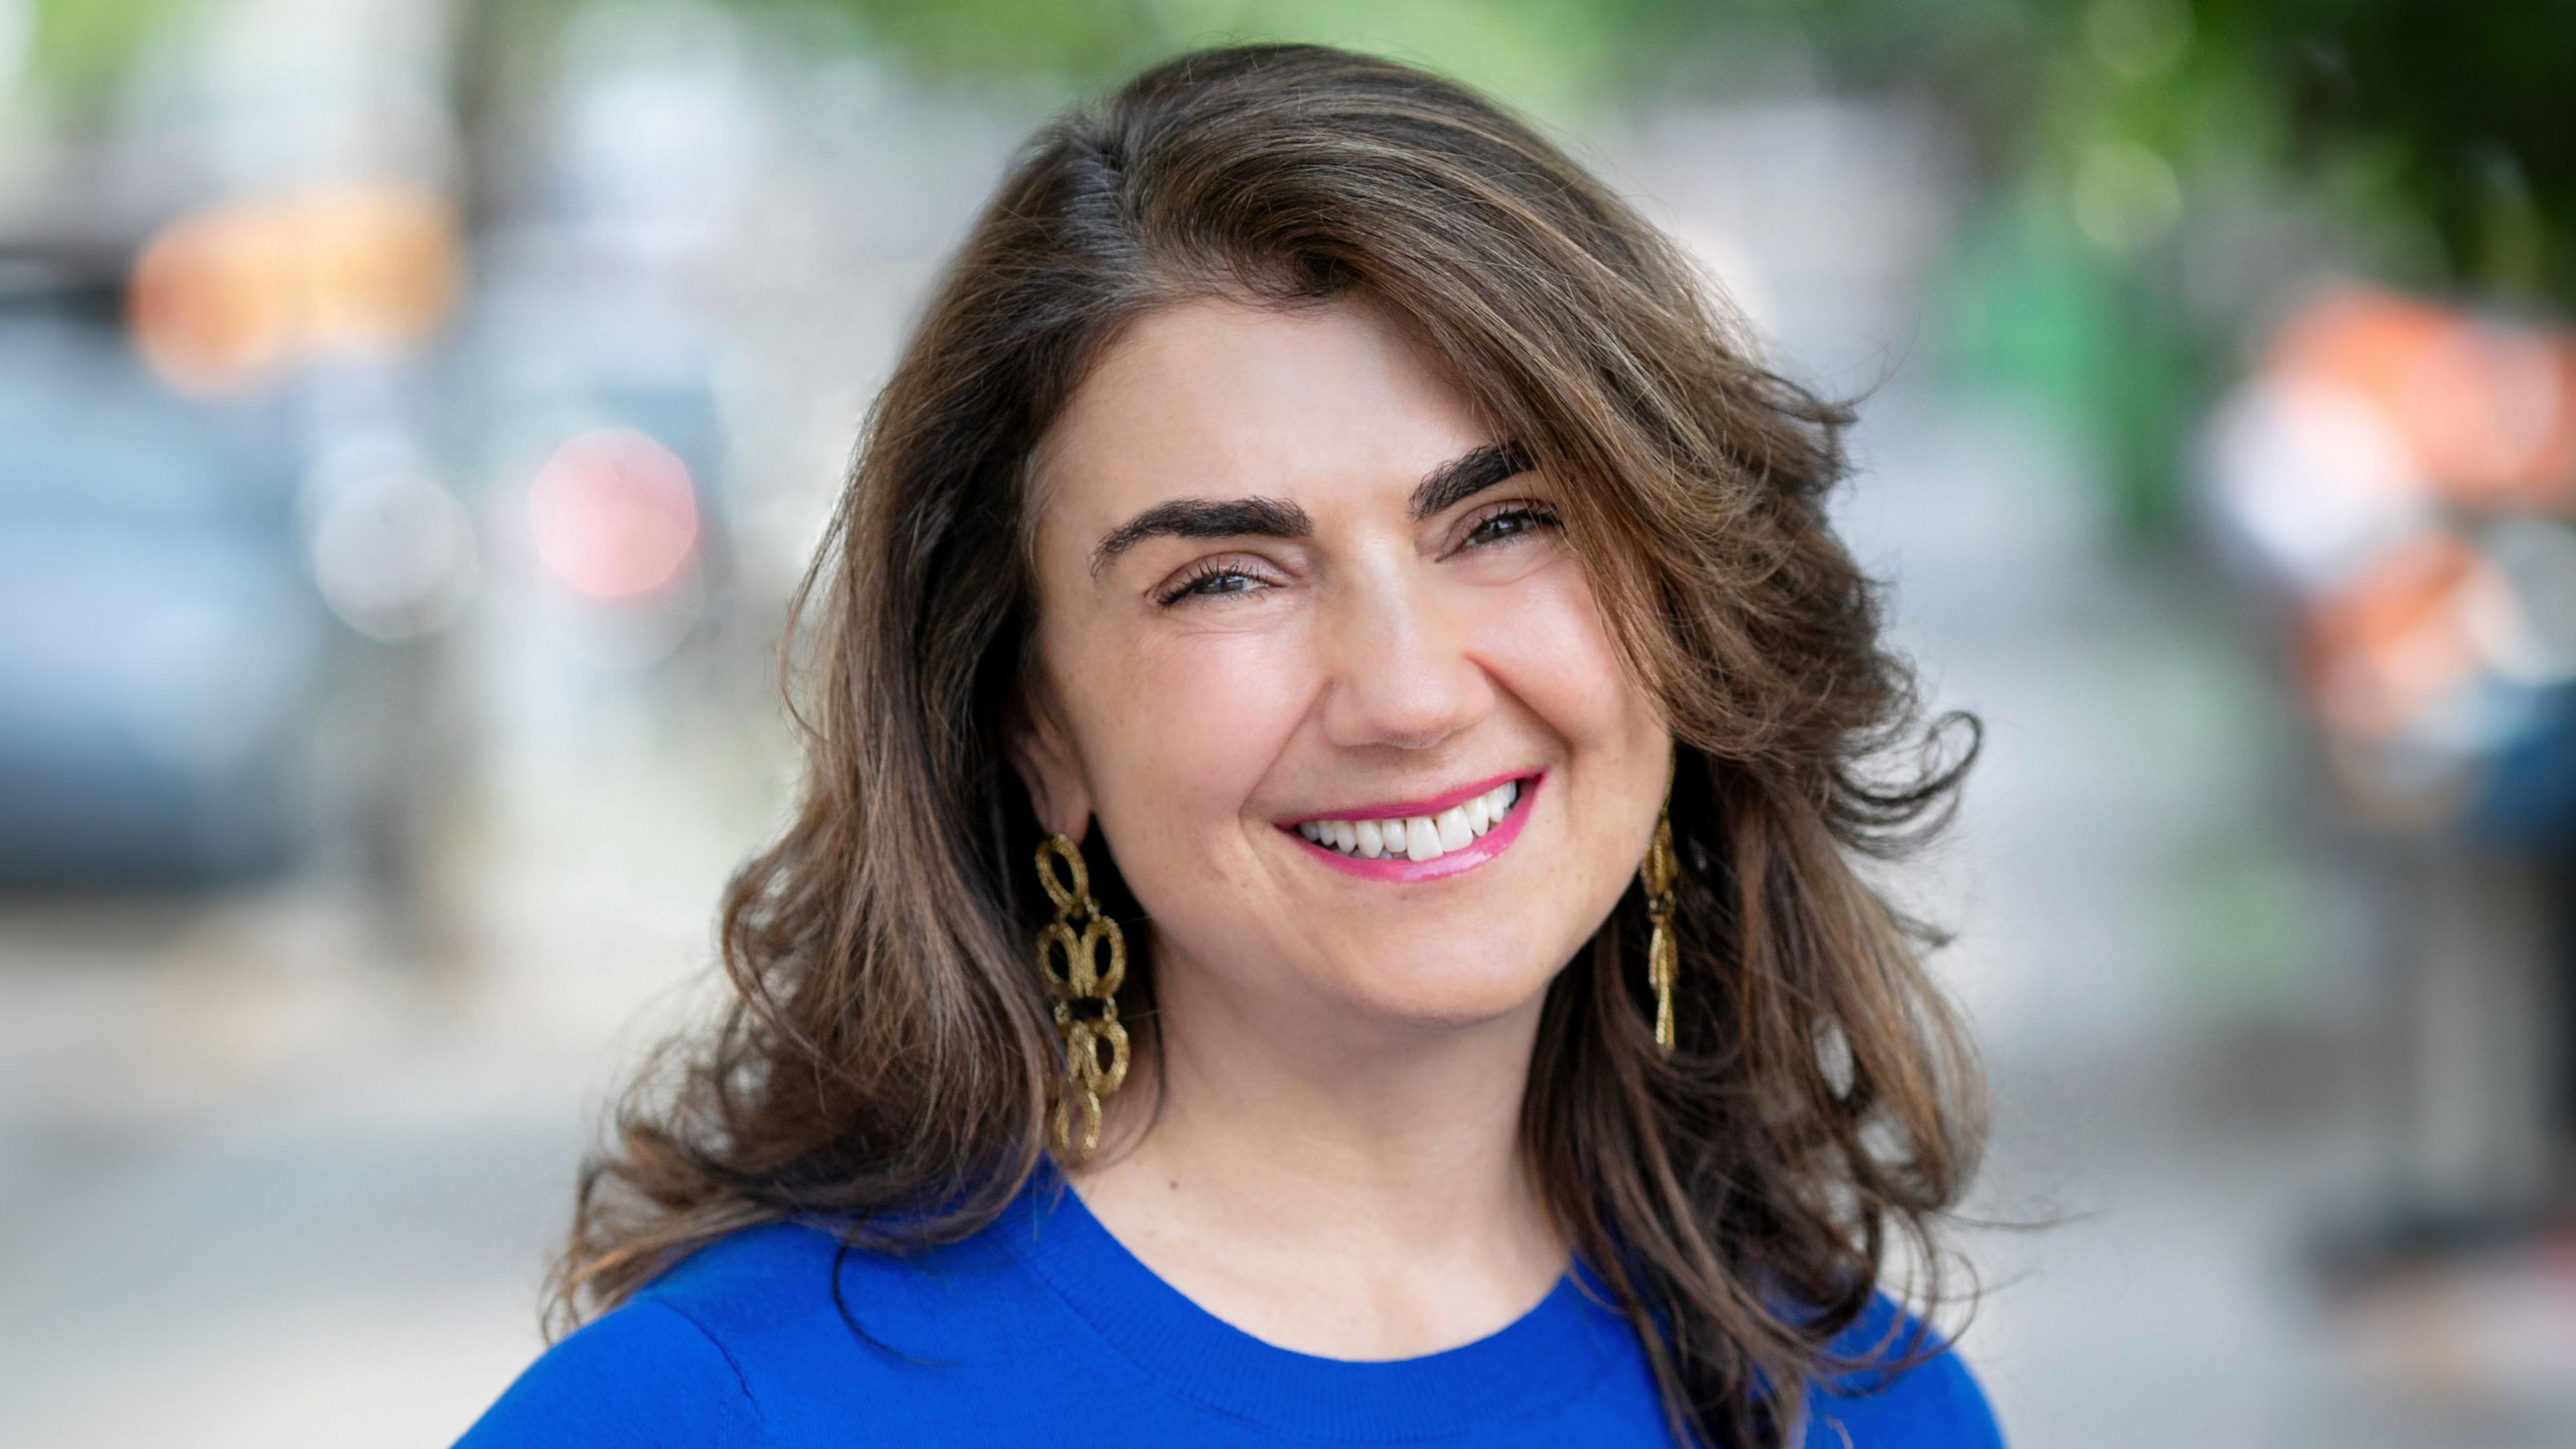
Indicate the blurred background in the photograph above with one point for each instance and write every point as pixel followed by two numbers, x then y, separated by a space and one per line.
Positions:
pixel 414 414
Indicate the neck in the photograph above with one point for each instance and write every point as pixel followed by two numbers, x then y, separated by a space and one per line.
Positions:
pixel 1346 1187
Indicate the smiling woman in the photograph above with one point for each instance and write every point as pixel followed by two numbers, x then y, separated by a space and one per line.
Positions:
pixel 1336 542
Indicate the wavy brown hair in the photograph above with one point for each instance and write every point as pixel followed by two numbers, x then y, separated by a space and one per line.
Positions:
pixel 887 1062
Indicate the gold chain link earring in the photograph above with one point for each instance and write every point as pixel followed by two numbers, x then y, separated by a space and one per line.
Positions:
pixel 1663 958
pixel 1086 995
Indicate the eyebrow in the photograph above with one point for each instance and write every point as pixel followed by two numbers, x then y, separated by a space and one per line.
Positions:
pixel 1465 476
pixel 1462 477
pixel 1205 518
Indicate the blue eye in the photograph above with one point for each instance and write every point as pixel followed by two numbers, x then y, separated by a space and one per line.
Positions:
pixel 1208 583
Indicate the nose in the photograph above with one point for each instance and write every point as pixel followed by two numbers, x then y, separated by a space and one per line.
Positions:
pixel 1401 673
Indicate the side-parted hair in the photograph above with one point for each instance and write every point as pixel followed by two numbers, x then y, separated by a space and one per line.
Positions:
pixel 887 1063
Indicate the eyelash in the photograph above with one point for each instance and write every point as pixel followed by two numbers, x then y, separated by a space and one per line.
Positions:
pixel 1531 516
pixel 1195 583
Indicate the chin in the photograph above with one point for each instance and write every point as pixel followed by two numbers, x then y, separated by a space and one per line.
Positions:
pixel 1453 990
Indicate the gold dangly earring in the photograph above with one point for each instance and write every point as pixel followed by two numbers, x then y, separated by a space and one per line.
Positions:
pixel 1663 958
pixel 1086 995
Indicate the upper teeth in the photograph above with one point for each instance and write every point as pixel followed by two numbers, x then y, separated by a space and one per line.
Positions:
pixel 1420 837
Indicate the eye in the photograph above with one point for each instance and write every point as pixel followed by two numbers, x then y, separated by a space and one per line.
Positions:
pixel 1508 521
pixel 1207 580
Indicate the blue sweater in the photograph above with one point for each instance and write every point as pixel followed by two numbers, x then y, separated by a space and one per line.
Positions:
pixel 1044 1329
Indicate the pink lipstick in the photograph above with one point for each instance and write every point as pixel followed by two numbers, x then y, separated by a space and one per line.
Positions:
pixel 1397 865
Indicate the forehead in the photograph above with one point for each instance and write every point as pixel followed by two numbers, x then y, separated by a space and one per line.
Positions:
pixel 1218 399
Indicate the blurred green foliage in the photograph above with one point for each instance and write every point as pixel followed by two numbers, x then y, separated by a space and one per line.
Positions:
pixel 2456 113
pixel 82 46
pixel 1545 54
pixel 2428 142
pixel 2435 133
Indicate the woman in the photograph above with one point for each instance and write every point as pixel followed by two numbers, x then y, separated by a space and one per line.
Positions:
pixel 1330 537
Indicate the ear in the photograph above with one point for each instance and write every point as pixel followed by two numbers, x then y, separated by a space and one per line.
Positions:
pixel 1041 749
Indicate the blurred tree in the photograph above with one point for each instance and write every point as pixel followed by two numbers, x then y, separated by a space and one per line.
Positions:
pixel 2427 143
pixel 1546 54
pixel 82 46
pixel 2458 114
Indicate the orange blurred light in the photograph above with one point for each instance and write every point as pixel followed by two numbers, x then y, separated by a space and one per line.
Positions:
pixel 2488 410
pixel 613 514
pixel 225 299
pixel 2401 639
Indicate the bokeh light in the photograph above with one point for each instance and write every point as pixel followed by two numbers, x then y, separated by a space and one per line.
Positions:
pixel 614 514
pixel 393 551
pixel 226 298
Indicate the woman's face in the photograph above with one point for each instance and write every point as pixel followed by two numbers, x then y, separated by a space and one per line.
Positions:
pixel 1296 601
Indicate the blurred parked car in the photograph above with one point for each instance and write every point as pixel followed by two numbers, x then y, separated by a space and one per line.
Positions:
pixel 160 652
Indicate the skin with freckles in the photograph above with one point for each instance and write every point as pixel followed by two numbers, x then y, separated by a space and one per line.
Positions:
pixel 1312 642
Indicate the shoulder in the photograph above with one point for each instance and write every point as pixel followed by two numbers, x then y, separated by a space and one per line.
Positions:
pixel 1872 1403
pixel 642 1374
pixel 786 1292
pixel 740 1342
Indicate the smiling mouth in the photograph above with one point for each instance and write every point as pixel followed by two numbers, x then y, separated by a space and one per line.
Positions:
pixel 1425 839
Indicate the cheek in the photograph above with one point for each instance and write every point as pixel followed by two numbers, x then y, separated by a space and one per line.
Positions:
pixel 1551 649
pixel 1183 733
pixel 1547 644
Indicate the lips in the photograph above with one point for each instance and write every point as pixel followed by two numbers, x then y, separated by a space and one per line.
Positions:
pixel 1426 839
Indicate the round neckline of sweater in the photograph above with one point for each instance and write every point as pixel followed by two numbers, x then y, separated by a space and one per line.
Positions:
pixel 1537 1362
